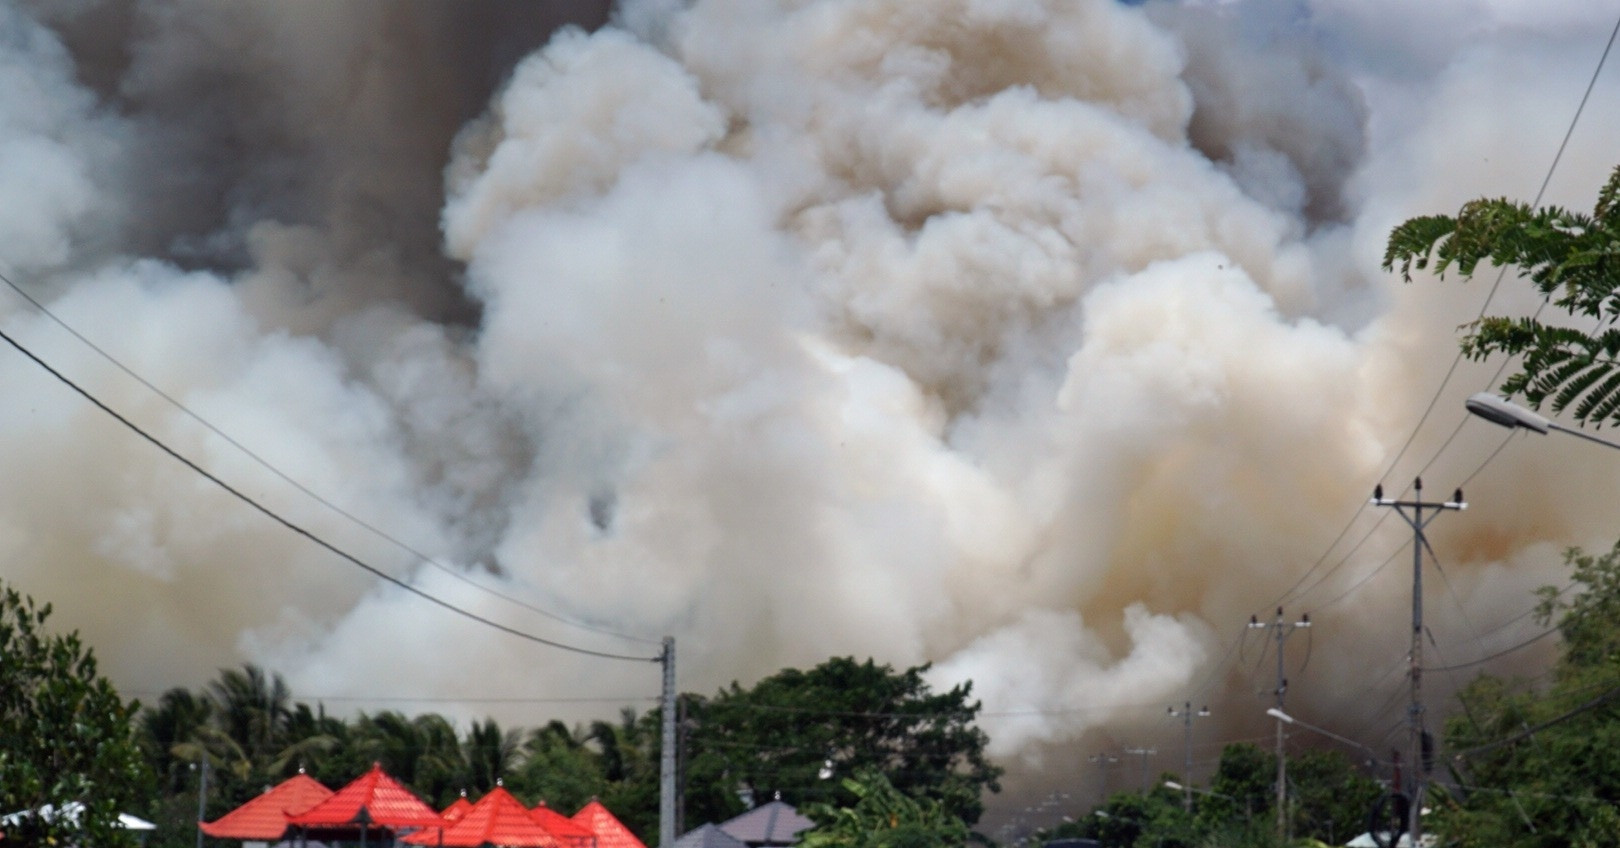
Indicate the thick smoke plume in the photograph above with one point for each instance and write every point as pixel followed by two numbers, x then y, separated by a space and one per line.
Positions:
pixel 1041 340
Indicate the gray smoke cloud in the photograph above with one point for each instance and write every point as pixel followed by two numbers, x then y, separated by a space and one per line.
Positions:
pixel 1043 341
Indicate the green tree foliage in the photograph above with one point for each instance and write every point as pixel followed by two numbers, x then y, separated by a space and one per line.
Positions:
pixel 774 736
pixel 1330 798
pixel 244 725
pixel 489 754
pixel 1243 786
pixel 1131 820
pixel 1572 258
pixel 175 720
pixel 1329 801
pixel 1540 767
pixel 794 731
pixel 559 766
pixel 882 817
pixel 66 737
pixel 630 765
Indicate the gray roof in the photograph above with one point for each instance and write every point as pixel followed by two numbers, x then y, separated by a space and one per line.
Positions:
pixel 708 836
pixel 775 823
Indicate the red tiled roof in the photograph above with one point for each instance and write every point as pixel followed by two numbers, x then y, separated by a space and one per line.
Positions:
pixel 610 832
pixel 264 819
pixel 497 819
pixel 457 809
pixel 373 798
pixel 570 833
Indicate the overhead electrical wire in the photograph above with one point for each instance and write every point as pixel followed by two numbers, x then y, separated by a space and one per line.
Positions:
pixel 1325 575
pixel 1490 295
pixel 1518 646
pixel 1541 192
pixel 300 530
pixel 1498 655
pixel 1593 704
pixel 1351 589
pixel 1381 713
pixel 268 466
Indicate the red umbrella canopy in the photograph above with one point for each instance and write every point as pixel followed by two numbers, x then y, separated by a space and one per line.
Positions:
pixel 610 832
pixel 264 819
pixel 497 819
pixel 572 834
pixel 373 798
pixel 457 808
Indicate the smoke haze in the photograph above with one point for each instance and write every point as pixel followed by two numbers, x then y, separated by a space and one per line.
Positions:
pixel 1041 340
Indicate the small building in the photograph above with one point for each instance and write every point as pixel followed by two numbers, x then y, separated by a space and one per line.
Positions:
pixel 709 836
pixel 768 825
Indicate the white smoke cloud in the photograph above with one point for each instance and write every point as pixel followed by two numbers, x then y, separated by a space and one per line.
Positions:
pixel 55 146
pixel 1043 341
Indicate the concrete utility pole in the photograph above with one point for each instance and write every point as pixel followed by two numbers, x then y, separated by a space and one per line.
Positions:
pixel 1414 712
pixel 1144 753
pixel 202 798
pixel 1187 715
pixel 666 759
pixel 1280 631
pixel 1103 761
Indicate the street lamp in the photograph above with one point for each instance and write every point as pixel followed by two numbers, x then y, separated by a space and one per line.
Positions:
pixel 1498 410
pixel 1248 807
pixel 1288 719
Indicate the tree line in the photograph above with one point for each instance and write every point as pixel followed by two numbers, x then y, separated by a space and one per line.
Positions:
pixel 874 755
pixel 798 735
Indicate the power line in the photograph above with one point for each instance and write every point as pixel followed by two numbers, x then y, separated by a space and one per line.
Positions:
pixel 1366 577
pixel 1490 295
pixel 1596 702
pixel 1502 272
pixel 268 466
pixel 300 530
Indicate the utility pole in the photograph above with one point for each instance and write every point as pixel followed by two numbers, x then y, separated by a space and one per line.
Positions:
pixel 1144 753
pixel 202 798
pixel 1103 761
pixel 1187 715
pixel 1414 712
pixel 666 759
pixel 1280 631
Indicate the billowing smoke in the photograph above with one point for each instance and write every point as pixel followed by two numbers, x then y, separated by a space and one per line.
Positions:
pixel 1042 340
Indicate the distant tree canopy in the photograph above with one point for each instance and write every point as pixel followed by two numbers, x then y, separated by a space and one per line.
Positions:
pixel 1572 258
pixel 66 736
pixel 776 736
pixel 253 734
pixel 1537 763
pixel 797 733
pixel 1328 802
pixel 1328 798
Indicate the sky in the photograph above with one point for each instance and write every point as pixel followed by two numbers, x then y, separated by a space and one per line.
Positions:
pixel 1043 341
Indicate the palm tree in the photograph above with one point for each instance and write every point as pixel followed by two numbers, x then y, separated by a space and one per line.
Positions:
pixel 249 737
pixel 252 708
pixel 174 721
pixel 391 740
pixel 441 767
pixel 490 753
